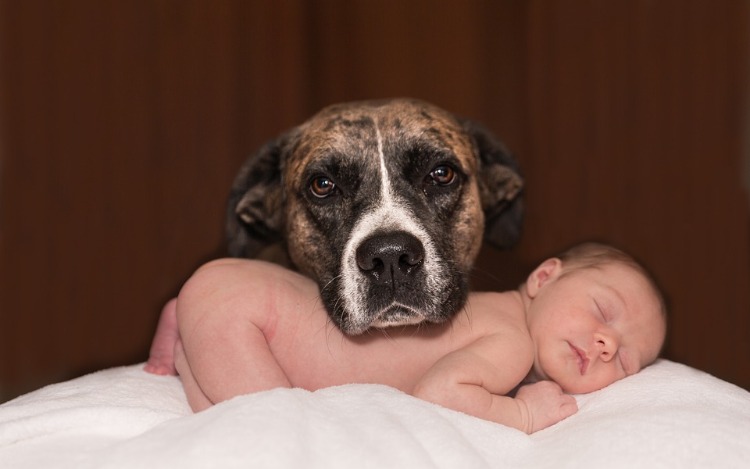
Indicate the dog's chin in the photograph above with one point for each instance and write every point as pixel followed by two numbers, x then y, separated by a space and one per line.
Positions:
pixel 393 315
pixel 397 315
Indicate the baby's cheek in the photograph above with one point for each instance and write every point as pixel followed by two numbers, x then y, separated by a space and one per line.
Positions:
pixel 594 382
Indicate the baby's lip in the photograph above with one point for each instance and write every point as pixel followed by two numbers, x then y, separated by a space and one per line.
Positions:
pixel 583 361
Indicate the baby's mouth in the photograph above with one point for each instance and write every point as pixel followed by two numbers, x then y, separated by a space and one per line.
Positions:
pixel 583 361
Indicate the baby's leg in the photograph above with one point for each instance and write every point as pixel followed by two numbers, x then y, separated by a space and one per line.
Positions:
pixel 222 311
pixel 161 356
pixel 195 397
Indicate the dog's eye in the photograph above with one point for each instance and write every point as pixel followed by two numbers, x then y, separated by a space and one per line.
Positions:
pixel 322 187
pixel 442 175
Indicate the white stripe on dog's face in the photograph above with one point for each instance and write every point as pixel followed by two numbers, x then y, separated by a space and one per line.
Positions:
pixel 389 214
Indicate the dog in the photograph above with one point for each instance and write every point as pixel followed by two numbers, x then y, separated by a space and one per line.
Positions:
pixel 384 204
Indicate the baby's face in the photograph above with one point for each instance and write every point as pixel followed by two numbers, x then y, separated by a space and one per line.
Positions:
pixel 594 326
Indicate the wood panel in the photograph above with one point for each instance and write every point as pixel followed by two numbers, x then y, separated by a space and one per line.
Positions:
pixel 638 111
pixel 121 134
pixel 123 125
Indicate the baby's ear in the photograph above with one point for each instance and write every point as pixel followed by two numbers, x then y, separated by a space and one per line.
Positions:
pixel 547 270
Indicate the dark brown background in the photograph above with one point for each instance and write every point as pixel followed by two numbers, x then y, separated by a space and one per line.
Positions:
pixel 123 124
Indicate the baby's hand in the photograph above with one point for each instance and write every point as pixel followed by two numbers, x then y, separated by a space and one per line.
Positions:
pixel 546 404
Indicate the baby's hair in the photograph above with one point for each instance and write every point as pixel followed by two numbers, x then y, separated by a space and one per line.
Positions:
pixel 594 255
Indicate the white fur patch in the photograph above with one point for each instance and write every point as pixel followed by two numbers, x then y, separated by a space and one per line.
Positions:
pixel 393 215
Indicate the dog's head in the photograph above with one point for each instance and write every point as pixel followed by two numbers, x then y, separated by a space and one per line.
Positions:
pixel 384 203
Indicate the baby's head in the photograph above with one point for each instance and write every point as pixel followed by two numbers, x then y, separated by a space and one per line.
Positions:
pixel 595 316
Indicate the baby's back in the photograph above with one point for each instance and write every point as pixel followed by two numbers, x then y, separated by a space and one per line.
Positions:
pixel 315 354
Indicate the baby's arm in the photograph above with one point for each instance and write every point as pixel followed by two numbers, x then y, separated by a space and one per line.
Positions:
pixel 467 381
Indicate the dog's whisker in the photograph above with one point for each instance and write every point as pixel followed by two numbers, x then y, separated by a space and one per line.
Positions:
pixel 385 333
pixel 329 282
pixel 465 311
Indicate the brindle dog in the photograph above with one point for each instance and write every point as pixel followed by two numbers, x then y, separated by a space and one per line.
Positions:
pixel 384 204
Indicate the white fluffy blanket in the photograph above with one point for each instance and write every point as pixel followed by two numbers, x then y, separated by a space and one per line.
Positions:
pixel 669 415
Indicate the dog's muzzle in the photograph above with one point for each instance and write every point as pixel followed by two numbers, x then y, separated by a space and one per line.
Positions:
pixel 393 264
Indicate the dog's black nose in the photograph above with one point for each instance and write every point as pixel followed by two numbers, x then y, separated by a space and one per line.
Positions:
pixel 390 257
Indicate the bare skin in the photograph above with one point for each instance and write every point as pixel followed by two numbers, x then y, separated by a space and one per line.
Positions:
pixel 161 354
pixel 247 326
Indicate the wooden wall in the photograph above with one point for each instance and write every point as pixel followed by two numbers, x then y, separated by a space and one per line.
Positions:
pixel 123 123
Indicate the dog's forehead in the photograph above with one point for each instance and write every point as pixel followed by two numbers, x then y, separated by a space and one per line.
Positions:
pixel 342 128
pixel 361 129
pixel 415 121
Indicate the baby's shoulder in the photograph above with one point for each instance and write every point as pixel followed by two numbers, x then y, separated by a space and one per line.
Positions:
pixel 498 309
pixel 499 318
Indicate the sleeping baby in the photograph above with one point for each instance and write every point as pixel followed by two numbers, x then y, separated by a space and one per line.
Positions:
pixel 580 322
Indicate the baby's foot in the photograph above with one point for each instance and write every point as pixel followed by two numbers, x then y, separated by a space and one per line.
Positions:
pixel 161 356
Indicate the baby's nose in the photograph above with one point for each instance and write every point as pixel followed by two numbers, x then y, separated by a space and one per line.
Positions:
pixel 606 346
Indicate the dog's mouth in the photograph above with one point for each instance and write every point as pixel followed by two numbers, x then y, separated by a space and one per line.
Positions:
pixel 397 314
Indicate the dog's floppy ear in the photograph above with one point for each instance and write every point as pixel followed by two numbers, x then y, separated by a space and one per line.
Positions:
pixel 500 186
pixel 254 215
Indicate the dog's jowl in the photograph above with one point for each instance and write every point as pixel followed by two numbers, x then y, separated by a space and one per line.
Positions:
pixel 383 203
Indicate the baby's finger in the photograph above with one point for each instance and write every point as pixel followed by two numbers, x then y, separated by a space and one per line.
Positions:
pixel 568 407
